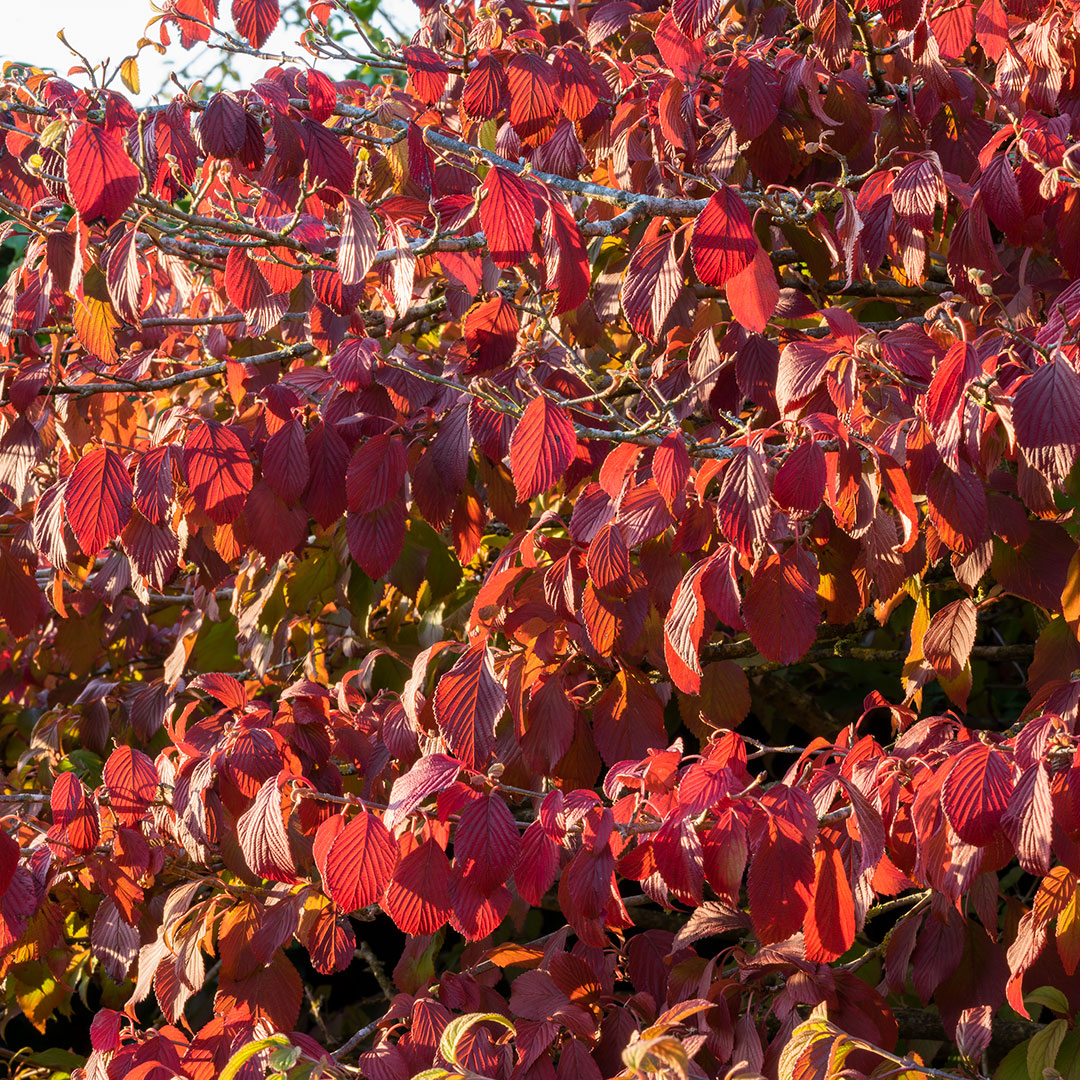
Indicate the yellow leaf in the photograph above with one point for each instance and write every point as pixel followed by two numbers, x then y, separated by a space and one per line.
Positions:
pixel 52 133
pixel 129 74
pixel 95 325
pixel 664 1054
pixel 246 1053
pixel 1070 595
pixel 1053 895
pixel 1068 935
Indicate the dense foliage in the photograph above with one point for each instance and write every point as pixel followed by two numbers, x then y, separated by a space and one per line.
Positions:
pixel 574 526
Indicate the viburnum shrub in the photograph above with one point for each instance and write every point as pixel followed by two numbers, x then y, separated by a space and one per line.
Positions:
pixel 575 526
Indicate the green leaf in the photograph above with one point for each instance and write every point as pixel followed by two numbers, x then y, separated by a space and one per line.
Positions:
pixel 246 1053
pixel 456 1029
pixel 1049 997
pixel 1043 1048
pixel 1069 1056
pixel 1014 1064
pixel 59 1062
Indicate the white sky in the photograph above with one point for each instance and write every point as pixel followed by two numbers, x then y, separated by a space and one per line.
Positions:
pixel 111 28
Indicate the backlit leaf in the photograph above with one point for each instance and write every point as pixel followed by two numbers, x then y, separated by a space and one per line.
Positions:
pixel 468 702
pixel 98 499
pixel 103 179
pixel 360 862
pixel 541 448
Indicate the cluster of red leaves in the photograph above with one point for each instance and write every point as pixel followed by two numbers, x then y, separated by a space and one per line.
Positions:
pixel 934 818
pixel 539 400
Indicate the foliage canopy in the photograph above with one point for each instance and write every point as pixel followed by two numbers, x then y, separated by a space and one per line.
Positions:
pixel 591 499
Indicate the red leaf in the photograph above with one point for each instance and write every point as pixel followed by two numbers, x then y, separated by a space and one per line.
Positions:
pixel 285 465
pixel 153 550
pixel 781 610
pixel 376 473
pixel 322 94
pixel 331 942
pixel 677 850
pixel 486 843
pixel 830 918
pixel 608 559
pixel 1000 193
pixel 74 813
pixel 552 720
pixel 802 367
pixel 261 834
pixel 360 862
pixel 580 86
pixel 725 850
pixel 533 88
pixel 154 484
pixel 20 596
pixel 245 285
pixel 696 17
pixel 98 499
pixel 103 179
pixel 1046 416
pixel 475 915
pixel 683 627
pixel 753 293
pixel 132 782
pixel 123 276
pixel 723 243
pixel 256 19
pixel 800 482
pixel 565 257
pixel 359 242
pixel 671 466
pixel 538 863
pixel 832 34
pixel 704 784
pixel 418 896
pixel 535 996
pixel 918 189
pixel 957 507
pixel 742 509
pixel 428 72
pixel 685 56
pixel 652 284
pixel 375 539
pixel 221 128
pixel 219 471
pixel 976 792
pixel 949 637
pixel 329 457
pixel 780 882
pixel 228 690
pixel 491 330
pixel 992 28
pixel 1029 819
pixel 749 92
pixel 484 96
pixel 431 774
pixel 9 860
pixel 327 156
pixel 628 718
pixel 542 447
pixel 354 363
pixel 272 527
pixel 507 216
pixel 468 702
